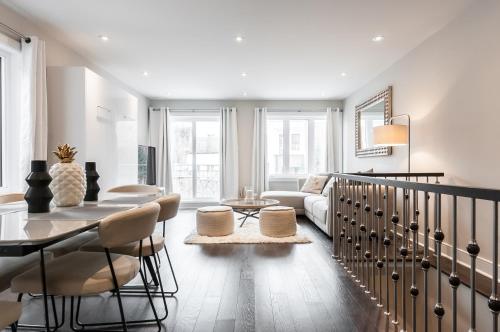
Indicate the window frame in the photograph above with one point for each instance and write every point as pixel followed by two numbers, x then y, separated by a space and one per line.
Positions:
pixel 194 116
pixel 286 117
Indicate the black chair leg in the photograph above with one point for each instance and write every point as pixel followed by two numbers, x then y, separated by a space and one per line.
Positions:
pixel 13 327
pixel 173 274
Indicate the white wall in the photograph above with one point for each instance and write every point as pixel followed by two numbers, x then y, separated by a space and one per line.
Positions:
pixel 98 118
pixel 449 85
pixel 245 120
pixel 59 54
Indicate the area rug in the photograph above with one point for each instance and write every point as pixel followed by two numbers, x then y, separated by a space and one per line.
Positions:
pixel 248 234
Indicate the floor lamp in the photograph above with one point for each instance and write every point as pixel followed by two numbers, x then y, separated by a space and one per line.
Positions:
pixel 393 135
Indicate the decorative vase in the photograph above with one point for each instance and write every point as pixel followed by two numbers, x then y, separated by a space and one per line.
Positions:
pixel 92 186
pixel 68 178
pixel 39 194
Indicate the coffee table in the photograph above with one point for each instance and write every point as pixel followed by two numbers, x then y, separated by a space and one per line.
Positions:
pixel 249 208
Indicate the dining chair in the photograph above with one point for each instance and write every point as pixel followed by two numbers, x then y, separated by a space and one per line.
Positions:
pixel 11 198
pixel 135 188
pixel 80 274
pixel 169 205
pixel 10 313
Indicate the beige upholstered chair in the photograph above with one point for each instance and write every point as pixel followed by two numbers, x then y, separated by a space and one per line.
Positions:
pixel 152 245
pixel 215 221
pixel 278 221
pixel 11 198
pixel 88 273
pixel 13 266
pixel 135 188
pixel 9 314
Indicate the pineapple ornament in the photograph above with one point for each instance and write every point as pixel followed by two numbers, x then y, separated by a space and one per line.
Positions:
pixel 68 178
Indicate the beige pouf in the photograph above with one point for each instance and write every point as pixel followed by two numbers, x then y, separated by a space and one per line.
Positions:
pixel 215 221
pixel 278 221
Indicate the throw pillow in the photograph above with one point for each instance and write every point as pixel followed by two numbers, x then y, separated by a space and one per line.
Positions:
pixel 329 184
pixel 314 184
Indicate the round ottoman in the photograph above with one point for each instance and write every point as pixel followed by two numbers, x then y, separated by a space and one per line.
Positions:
pixel 215 220
pixel 278 221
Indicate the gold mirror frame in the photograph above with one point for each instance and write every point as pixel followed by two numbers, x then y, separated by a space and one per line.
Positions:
pixel 386 96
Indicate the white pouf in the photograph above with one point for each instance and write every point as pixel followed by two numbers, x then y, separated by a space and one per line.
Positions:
pixel 215 221
pixel 278 221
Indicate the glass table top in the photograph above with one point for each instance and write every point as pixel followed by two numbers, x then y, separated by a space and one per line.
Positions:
pixel 249 203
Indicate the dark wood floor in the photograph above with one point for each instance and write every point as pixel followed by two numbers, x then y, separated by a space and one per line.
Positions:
pixel 264 287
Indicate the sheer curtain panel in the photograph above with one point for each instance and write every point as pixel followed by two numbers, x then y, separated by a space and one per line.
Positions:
pixel 229 153
pixel 33 111
pixel 259 151
pixel 164 159
pixel 333 140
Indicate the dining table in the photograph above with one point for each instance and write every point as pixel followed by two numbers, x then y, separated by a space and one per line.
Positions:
pixel 23 233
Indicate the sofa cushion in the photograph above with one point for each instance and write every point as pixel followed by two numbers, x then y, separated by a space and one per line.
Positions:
pixel 320 209
pixel 309 202
pixel 314 184
pixel 293 199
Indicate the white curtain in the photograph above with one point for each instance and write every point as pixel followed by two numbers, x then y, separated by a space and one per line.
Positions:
pixel 333 140
pixel 33 111
pixel 229 187
pixel 163 162
pixel 259 152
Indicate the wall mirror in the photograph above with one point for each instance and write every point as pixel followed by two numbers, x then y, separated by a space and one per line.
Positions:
pixel 373 112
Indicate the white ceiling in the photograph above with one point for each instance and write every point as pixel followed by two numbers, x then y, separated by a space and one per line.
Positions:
pixel 292 49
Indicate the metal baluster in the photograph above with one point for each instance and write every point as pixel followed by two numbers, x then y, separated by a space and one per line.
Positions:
pixel 353 228
pixel 404 253
pixel 438 237
pixel 373 239
pixel 473 250
pixel 368 252
pixel 494 301
pixel 414 289
pixel 395 274
pixel 454 280
pixel 343 235
pixel 357 205
pixel 425 260
pixel 336 221
pixel 380 263
pixel 345 218
pixel 350 230
pixel 387 243
pixel 362 228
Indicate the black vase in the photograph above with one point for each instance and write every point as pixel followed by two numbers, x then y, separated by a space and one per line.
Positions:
pixel 92 187
pixel 38 195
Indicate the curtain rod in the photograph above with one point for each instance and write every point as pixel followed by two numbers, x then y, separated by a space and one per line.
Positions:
pixel 15 33
pixel 302 110
pixel 157 109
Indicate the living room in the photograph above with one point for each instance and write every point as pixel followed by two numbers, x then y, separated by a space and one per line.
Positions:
pixel 249 166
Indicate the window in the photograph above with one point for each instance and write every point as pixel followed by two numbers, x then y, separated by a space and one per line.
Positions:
pixel 195 150
pixel 2 98
pixel 296 143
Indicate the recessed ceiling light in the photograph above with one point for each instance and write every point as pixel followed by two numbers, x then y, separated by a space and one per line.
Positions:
pixel 322 94
pixel 243 74
pixel 378 38
pixel 145 73
pixel 244 94
pixel 238 39
pixel 104 38
pixel 344 74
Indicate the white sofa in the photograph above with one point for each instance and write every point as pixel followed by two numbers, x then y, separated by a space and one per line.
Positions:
pixel 317 207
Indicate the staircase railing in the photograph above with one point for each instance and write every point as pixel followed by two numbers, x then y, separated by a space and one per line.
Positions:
pixel 388 231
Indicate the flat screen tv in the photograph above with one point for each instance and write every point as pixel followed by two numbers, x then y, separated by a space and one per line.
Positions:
pixel 147 165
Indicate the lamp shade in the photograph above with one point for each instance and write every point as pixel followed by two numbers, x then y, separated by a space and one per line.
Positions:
pixel 390 135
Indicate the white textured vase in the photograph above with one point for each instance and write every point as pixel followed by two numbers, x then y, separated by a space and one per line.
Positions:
pixel 68 184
